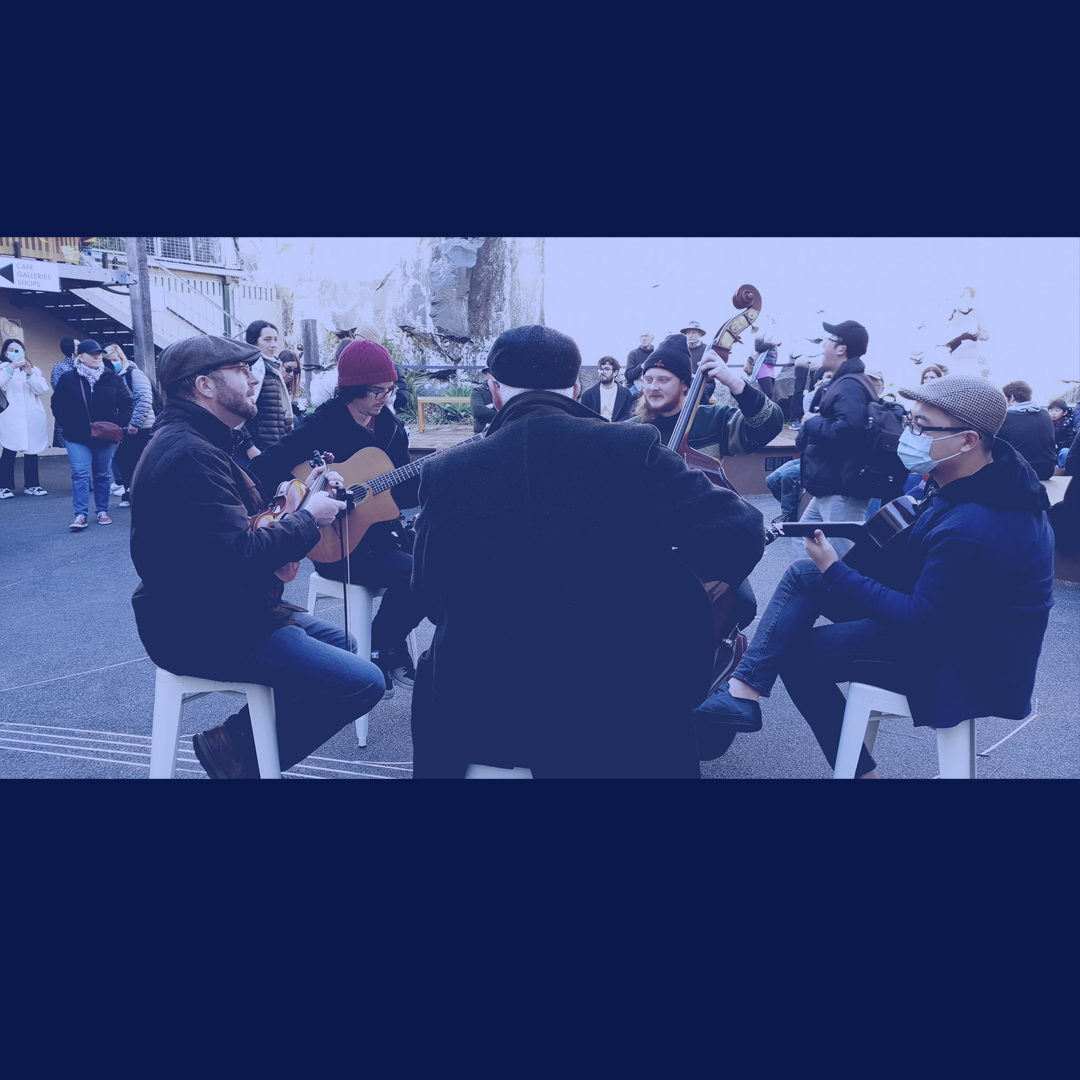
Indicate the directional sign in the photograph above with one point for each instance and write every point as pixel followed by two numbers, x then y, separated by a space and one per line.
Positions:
pixel 29 274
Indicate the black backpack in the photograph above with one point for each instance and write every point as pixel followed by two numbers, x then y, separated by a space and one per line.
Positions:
pixel 879 473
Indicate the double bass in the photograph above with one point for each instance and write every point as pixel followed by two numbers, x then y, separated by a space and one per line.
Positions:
pixel 723 596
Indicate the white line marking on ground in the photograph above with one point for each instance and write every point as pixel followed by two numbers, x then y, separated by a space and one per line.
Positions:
pixel 77 675
pixel 1034 713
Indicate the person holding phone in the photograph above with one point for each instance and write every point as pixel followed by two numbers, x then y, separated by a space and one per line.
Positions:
pixel 24 425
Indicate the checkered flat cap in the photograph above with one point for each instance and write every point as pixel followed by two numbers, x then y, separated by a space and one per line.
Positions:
pixel 973 400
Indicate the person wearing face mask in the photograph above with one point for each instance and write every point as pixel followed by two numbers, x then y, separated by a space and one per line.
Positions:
pixel 90 393
pixel 137 433
pixel 24 425
pixel 274 419
pixel 952 616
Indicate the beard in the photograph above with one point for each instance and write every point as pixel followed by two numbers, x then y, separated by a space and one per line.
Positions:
pixel 236 401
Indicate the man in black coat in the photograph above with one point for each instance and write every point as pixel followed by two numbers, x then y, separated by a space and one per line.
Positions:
pixel 612 401
pixel 357 418
pixel 547 487
pixel 635 360
pixel 209 603
pixel 1029 430
pixel 833 443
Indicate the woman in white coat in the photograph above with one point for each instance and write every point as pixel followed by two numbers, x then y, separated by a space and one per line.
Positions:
pixel 24 425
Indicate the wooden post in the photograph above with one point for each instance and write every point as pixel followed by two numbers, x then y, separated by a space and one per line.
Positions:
pixel 309 330
pixel 142 322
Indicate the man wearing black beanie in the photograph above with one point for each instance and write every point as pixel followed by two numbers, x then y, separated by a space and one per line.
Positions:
pixel 549 486
pixel 666 379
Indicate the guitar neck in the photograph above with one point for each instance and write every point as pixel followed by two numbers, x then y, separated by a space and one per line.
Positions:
pixel 408 472
pixel 846 530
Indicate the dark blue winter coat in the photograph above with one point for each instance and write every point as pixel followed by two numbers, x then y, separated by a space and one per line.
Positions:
pixel 833 443
pixel 972 592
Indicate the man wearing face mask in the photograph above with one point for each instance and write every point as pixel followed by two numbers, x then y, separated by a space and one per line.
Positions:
pixel 954 613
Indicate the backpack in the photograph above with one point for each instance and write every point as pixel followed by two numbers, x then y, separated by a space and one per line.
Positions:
pixel 157 404
pixel 879 474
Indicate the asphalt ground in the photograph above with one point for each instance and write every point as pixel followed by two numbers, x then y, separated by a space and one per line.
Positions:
pixel 77 691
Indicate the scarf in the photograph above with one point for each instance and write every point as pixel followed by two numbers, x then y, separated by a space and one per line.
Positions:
pixel 91 375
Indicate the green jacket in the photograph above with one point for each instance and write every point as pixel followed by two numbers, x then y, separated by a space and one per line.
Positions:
pixel 743 430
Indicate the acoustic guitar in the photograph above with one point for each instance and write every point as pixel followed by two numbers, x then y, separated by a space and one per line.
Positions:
pixel 876 536
pixel 369 476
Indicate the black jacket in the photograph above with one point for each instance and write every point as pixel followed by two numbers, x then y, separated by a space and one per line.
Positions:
pixel 634 361
pixel 549 486
pixel 109 400
pixel 624 402
pixel 332 429
pixel 483 410
pixel 208 585
pixel 1029 430
pixel 275 418
pixel 832 442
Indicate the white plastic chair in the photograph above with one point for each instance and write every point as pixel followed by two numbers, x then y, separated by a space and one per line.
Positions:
pixel 489 772
pixel 361 602
pixel 956 745
pixel 170 693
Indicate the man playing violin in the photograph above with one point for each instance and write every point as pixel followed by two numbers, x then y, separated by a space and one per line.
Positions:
pixel 209 603
pixel 952 615
pixel 717 429
pixel 549 483
pixel 356 417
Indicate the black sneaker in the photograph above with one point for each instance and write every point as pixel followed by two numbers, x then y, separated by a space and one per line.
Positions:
pixel 402 672
pixel 382 665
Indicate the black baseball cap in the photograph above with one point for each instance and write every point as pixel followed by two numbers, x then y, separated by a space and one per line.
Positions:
pixel 90 346
pixel 851 334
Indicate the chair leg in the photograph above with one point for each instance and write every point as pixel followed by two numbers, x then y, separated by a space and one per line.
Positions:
pixel 956 751
pixel 165 737
pixel 264 729
pixel 872 726
pixel 312 596
pixel 853 732
pixel 361 630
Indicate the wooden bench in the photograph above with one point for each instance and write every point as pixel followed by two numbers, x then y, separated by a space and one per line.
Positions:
pixel 421 402
pixel 747 471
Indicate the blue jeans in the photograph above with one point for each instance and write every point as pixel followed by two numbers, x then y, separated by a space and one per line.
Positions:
pixel 84 459
pixel 319 683
pixel 812 660
pixel 786 489
pixel 1063 453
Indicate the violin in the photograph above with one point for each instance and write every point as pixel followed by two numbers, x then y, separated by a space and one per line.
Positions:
pixel 291 496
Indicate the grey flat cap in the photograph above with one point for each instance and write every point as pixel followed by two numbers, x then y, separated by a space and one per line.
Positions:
pixel 199 355
pixel 975 401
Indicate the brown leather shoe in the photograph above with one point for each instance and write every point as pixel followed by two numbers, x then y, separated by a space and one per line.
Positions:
pixel 222 759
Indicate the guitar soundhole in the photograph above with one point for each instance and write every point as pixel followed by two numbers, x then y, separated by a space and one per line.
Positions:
pixel 361 492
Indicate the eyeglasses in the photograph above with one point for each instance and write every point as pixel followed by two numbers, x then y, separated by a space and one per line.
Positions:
pixel 917 429
pixel 381 393
pixel 244 369
pixel 833 341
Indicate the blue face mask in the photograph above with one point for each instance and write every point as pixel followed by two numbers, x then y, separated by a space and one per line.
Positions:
pixel 15 354
pixel 914 451
pixel 117 366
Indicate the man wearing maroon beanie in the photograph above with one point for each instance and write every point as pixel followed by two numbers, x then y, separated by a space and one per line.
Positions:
pixel 357 417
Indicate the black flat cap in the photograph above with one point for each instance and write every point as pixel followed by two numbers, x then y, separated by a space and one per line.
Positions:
pixel 534 358
pixel 202 354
